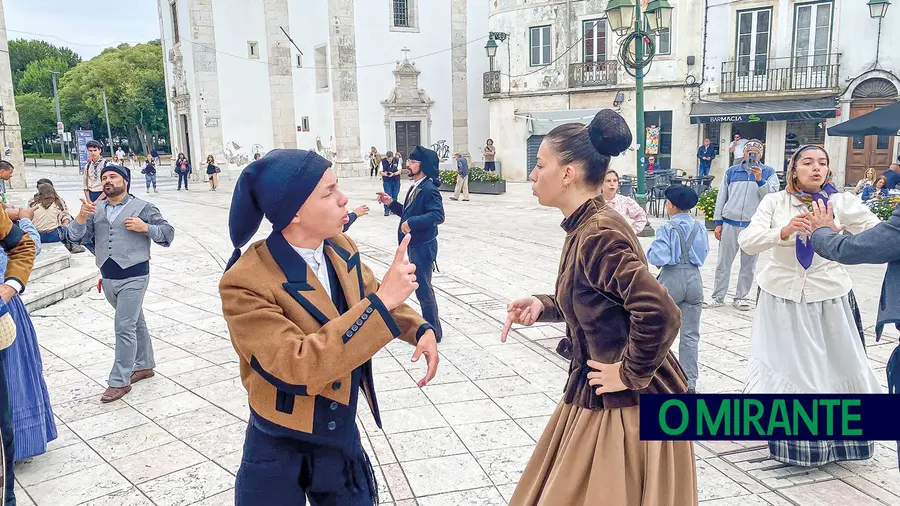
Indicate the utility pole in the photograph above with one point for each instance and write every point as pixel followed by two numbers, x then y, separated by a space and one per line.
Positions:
pixel 108 130
pixel 62 148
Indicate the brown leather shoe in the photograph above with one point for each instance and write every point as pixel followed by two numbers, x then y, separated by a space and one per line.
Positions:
pixel 114 393
pixel 141 375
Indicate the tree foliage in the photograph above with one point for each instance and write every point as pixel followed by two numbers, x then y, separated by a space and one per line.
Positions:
pixel 23 52
pixel 36 116
pixel 37 79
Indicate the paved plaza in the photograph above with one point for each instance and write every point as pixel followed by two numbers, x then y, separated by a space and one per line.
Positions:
pixel 462 440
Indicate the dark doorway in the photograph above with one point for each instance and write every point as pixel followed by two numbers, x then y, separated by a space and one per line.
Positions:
pixel 408 137
pixel 532 146
pixel 658 138
pixel 752 131
pixel 876 151
pixel 186 135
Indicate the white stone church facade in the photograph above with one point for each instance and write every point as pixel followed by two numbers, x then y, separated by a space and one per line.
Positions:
pixel 338 76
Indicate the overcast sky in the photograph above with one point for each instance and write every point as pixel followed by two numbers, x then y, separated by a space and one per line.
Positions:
pixel 84 27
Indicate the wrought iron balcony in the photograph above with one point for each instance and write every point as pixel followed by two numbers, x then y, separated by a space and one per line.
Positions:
pixel 757 74
pixel 492 82
pixel 600 73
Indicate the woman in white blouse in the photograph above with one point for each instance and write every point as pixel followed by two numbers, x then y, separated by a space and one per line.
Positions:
pixel 626 206
pixel 804 337
pixel 867 180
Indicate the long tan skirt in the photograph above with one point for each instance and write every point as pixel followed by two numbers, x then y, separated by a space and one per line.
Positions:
pixel 596 457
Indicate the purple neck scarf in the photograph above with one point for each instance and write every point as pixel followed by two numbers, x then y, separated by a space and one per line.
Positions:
pixel 803 247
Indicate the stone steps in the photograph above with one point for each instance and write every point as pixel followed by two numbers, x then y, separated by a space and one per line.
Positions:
pixel 59 275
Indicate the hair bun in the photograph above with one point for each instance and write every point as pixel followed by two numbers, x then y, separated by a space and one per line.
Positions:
pixel 609 133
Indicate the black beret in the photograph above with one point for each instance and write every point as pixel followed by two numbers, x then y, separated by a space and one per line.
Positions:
pixel 682 197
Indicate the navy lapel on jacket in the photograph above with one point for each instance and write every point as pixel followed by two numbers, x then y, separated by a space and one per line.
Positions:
pixel 302 283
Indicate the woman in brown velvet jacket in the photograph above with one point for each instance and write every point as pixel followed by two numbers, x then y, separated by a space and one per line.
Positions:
pixel 621 323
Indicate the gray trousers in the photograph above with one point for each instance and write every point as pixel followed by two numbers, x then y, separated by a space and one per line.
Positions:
pixel 728 249
pixel 686 288
pixel 134 351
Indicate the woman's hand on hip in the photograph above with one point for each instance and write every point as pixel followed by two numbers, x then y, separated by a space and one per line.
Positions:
pixel 523 311
pixel 606 377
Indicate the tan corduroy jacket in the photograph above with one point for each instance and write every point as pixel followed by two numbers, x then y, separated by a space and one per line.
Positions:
pixel 297 354
pixel 20 248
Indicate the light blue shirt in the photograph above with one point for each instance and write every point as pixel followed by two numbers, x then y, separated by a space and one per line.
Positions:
pixel 112 212
pixel 666 247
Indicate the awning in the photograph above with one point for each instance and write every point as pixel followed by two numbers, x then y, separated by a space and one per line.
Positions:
pixel 756 112
pixel 541 122
pixel 884 121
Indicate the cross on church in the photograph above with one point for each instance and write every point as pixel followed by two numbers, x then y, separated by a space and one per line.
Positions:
pixel 405 53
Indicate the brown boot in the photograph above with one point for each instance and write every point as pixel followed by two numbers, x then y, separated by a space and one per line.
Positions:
pixel 141 375
pixel 114 393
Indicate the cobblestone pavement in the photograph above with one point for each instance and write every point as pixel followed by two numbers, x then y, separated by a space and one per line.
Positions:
pixel 463 440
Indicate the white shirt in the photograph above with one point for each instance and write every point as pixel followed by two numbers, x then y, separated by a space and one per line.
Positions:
pixel 315 259
pixel 739 148
pixel 783 276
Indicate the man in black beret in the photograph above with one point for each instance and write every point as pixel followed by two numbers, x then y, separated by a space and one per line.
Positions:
pixel 305 317
pixel 420 216
pixel 679 250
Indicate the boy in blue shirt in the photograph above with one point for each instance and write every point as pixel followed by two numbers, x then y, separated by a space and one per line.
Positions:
pixel 679 249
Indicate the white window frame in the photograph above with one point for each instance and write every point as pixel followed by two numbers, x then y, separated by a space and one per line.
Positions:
pixel 754 55
pixel 600 23
pixel 321 75
pixel 253 49
pixel 412 17
pixel 545 40
pixel 658 41
pixel 299 60
pixel 808 56
pixel 173 11
pixel 304 124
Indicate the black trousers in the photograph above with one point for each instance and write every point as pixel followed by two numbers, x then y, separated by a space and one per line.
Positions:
pixel 424 256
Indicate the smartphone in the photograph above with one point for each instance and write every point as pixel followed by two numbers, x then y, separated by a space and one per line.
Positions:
pixel 754 159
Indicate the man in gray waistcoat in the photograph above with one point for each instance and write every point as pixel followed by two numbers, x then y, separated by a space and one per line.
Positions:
pixel 122 226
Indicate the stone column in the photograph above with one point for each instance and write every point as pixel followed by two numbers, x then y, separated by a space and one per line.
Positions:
pixel 342 44
pixel 459 76
pixel 207 102
pixel 281 77
pixel 11 130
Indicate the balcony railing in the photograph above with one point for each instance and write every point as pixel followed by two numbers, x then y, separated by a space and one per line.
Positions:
pixel 492 82
pixel 600 73
pixel 757 74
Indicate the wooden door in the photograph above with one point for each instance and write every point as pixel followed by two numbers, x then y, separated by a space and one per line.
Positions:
pixel 408 137
pixel 875 151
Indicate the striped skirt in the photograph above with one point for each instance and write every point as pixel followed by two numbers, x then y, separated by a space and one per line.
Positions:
pixel 33 424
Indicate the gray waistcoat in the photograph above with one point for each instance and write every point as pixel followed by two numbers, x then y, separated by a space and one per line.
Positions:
pixel 113 240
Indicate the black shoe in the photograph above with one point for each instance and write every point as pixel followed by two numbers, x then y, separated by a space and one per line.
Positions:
pixel 564 348
pixel 387 213
pixel 692 391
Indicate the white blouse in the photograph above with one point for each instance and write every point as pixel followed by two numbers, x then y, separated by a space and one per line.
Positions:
pixel 783 276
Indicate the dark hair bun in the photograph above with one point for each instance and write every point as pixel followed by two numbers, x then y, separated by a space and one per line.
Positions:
pixel 609 133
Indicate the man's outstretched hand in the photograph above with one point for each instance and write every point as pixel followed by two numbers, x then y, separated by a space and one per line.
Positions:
pixel 427 346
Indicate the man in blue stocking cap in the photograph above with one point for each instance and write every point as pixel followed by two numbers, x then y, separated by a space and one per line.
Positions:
pixel 420 215
pixel 306 317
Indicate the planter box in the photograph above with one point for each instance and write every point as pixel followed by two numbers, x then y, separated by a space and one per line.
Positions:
pixel 480 187
pixel 710 224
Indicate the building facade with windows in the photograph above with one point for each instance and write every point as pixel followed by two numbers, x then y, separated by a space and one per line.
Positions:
pixel 556 62
pixel 336 76
pixel 784 71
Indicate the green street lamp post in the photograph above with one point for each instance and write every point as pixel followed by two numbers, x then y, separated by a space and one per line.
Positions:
pixel 626 19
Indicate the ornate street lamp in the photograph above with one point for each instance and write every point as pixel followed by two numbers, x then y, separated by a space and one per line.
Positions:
pixel 878 8
pixel 625 18
pixel 491 49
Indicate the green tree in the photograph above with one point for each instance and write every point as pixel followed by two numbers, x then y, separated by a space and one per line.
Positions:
pixel 22 52
pixel 36 115
pixel 136 96
pixel 36 78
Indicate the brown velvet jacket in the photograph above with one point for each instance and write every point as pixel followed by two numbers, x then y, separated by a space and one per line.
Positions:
pixel 301 362
pixel 19 247
pixel 614 310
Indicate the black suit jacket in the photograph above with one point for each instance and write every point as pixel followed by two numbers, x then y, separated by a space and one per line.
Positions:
pixel 423 210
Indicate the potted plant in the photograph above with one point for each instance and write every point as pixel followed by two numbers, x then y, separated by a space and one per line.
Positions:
pixel 883 207
pixel 480 181
pixel 707 206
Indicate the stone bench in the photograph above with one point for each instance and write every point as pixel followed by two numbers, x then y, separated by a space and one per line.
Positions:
pixel 59 275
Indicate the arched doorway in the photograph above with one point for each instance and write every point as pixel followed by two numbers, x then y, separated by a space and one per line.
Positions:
pixel 875 150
